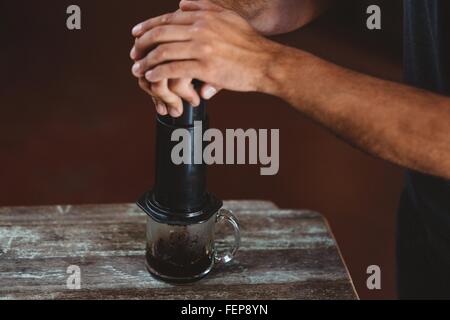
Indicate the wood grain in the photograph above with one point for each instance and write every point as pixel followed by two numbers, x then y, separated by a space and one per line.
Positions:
pixel 285 254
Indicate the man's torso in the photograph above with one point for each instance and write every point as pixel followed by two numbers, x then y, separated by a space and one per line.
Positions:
pixel 424 214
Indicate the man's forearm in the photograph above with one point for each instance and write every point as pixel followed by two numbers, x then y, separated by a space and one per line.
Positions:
pixel 277 16
pixel 405 125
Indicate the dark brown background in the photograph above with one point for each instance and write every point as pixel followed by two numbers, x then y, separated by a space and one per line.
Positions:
pixel 75 128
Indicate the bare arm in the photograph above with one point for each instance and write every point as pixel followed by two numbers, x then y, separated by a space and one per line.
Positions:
pixel 266 16
pixel 402 124
pixel 277 16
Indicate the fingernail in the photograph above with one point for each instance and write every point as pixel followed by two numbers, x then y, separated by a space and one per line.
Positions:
pixel 175 112
pixel 160 107
pixel 133 53
pixel 209 92
pixel 148 75
pixel 137 29
pixel 136 68
pixel 194 103
pixel 164 111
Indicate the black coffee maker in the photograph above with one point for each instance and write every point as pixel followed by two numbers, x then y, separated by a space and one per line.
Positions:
pixel 182 214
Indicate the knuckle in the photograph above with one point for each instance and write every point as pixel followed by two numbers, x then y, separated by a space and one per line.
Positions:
pixel 205 64
pixel 199 15
pixel 162 96
pixel 167 97
pixel 205 18
pixel 205 49
pixel 155 33
pixel 175 86
pixel 162 54
pixel 207 69
pixel 174 67
pixel 159 53
pixel 167 68
pixel 158 89
pixel 177 104
pixel 206 15
pixel 179 88
pixel 200 30
pixel 156 73
pixel 202 25
pixel 167 18
pixel 195 28
pixel 175 101
pixel 161 72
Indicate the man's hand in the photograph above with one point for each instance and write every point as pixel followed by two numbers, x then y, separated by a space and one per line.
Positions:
pixel 216 46
pixel 266 16
pixel 167 94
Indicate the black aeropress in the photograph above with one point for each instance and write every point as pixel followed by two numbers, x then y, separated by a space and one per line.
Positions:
pixel 182 214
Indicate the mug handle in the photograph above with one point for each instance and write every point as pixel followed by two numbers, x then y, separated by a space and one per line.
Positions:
pixel 228 216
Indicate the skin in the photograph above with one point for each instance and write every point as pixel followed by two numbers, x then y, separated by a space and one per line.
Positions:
pixel 266 16
pixel 270 17
pixel 401 124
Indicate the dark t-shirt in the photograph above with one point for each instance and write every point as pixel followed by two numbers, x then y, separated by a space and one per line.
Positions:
pixel 423 250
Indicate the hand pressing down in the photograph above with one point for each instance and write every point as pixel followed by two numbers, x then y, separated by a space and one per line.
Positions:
pixel 200 41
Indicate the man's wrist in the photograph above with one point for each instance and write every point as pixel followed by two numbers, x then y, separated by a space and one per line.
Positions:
pixel 290 76
pixel 275 74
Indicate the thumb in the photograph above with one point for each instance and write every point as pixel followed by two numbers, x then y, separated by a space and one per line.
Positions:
pixel 208 91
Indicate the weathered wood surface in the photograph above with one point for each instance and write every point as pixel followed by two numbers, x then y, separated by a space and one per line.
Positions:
pixel 285 254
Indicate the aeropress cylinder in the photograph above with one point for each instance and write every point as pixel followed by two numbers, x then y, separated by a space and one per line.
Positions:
pixel 182 214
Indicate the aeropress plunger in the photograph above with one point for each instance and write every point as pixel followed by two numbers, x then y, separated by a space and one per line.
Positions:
pixel 182 214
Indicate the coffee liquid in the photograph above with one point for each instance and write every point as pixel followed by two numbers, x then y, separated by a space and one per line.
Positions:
pixel 179 257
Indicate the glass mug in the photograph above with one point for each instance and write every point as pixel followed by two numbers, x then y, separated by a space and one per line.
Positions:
pixel 186 253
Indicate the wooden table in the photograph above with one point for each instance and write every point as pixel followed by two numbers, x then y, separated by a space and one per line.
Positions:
pixel 285 254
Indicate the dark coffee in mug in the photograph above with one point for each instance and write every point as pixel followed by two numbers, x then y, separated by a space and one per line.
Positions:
pixel 186 253
pixel 180 254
